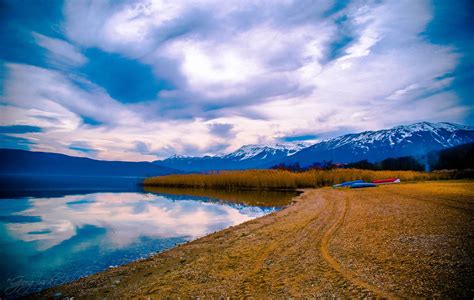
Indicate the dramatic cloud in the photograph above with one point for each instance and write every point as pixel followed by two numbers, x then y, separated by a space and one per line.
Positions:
pixel 147 79
pixel 60 52
pixel 223 130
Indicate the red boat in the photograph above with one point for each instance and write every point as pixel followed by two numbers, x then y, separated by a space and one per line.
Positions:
pixel 385 181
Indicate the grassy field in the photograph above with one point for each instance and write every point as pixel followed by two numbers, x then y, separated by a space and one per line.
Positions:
pixel 394 241
pixel 280 179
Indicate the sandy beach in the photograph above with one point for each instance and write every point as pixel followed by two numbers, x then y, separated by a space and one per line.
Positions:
pixel 404 240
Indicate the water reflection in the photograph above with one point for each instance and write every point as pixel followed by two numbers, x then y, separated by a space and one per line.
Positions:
pixel 248 197
pixel 76 235
pixel 127 216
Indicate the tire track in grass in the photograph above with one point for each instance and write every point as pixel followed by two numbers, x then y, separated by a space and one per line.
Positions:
pixel 274 245
pixel 333 263
pixel 260 260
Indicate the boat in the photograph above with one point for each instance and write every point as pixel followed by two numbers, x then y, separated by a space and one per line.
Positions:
pixel 387 181
pixel 347 183
pixel 362 185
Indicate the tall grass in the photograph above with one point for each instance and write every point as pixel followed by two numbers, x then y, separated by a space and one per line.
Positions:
pixel 282 179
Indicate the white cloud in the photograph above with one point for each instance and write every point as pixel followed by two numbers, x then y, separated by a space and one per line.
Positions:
pixel 59 51
pixel 250 60
pixel 58 92
pixel 52 101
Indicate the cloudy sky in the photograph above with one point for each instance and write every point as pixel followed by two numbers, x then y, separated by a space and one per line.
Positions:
pixel 141 80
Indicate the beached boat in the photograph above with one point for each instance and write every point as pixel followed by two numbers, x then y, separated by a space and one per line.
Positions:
pixel 347 183
pixel 362 185
pixel 387 181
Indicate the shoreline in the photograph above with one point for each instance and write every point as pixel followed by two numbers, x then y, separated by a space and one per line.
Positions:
pixel 325 242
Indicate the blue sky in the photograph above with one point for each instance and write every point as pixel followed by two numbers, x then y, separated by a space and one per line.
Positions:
pixel 141 80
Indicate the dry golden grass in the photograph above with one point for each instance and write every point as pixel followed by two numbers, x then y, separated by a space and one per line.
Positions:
pixel 280 179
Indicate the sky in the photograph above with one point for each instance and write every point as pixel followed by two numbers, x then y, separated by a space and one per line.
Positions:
pixel 143 80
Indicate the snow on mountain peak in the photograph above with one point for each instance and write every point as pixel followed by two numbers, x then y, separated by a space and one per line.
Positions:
pixel 176 156
pixel 428 126
pixel 409 140
pixel 253 150
pixel 444 134
pixel 398 134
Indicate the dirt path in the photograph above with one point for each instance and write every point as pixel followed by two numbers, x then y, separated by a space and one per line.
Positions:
pixel 390 241
pixel 348 275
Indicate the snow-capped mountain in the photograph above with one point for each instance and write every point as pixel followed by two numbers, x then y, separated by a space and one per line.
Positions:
pixel 262 152
pixel 246 157
pixel 410 140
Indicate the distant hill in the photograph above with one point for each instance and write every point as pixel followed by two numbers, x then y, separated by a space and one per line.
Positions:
pixel 28 162
pixel 246 157
pixel 412 140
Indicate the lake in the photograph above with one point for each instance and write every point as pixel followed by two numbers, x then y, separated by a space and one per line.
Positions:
pixel 57 229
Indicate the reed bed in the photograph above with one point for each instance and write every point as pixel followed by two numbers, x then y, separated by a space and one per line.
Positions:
pixel 282 179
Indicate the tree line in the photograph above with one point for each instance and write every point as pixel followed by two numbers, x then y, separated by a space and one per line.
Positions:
pixel 459 157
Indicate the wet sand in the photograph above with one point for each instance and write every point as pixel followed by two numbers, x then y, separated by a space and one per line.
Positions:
pixel 392 241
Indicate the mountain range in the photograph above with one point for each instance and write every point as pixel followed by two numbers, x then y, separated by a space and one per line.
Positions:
pixel 246 157
pixel 410 140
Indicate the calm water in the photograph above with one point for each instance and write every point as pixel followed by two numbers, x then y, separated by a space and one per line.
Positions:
pixel 50 235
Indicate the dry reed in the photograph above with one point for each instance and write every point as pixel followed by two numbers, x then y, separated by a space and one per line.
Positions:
pixel 281 179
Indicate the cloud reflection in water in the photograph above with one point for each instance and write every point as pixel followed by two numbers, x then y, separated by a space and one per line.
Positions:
pixel 126 217
pixel 76 235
